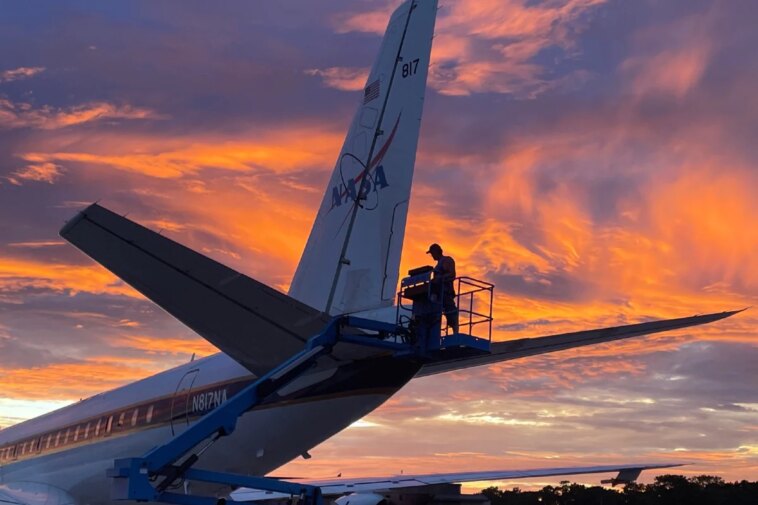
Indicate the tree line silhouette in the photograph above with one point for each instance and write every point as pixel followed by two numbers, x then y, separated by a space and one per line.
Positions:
pixel 667 489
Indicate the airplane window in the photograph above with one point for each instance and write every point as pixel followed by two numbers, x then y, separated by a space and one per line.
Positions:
pixel 121 419
pixel 76 434
pixel 49 439
pixel 97 427
pixel 109 426
pixel 57 439
pixel 86 430
pixel 65 437
pixel 23 448
pixel 32 445
pixel 134 417
pixel 149 415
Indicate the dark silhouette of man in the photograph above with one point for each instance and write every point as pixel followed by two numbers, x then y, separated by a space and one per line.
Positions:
pixel 444 274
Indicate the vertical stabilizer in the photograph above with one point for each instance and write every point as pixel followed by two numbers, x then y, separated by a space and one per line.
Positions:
pixel 352 257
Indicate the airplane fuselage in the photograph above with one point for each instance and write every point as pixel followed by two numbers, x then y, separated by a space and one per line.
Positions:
pixel 72 448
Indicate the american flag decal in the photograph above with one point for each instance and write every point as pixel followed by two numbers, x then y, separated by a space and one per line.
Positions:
pixel 371 92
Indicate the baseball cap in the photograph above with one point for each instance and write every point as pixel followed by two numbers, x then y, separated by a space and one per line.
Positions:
pixel 434 247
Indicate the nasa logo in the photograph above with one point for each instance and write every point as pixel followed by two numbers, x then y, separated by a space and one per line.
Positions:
pixel 374 182
pixel 367 181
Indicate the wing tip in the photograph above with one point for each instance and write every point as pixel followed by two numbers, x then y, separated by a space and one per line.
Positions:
pixel 71 223
pixel 727 313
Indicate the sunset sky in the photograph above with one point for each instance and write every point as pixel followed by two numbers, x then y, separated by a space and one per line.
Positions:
pixel 595 159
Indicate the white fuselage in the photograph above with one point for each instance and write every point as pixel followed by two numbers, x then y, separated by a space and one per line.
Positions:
pixel 266 437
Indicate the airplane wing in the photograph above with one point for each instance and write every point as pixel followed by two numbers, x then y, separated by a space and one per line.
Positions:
pixel 625 474
pixel 521 348
pixel 256 325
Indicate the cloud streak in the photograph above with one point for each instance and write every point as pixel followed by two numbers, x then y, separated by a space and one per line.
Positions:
pixel 20 73
pixel 26 115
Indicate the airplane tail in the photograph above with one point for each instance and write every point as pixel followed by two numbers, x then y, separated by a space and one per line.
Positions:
pixel 352 258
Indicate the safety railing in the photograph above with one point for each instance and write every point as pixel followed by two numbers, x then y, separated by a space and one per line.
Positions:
pixel 422 298
pixel 474 299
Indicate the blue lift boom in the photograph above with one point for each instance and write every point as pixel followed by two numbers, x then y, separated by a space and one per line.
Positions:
pixel 134 479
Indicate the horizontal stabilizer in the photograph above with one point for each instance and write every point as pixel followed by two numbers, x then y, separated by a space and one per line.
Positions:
pixel 338 487
pixel 256 325
pixel 521 348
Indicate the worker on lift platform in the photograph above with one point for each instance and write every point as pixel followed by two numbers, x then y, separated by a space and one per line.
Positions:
pixel 443 286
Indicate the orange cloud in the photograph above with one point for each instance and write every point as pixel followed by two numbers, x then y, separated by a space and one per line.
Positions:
pixel 514 32
pixel 672 72
pixel 373 21
pixel 163 345
pixel 670 59
pixel 38 244
pixel 41 172
pixel 25 115
pixel 279 151
pixel 73 381
pixel 19 73
pixel 18 274
pixel 259 224
pixel 708 216
pixel 342 78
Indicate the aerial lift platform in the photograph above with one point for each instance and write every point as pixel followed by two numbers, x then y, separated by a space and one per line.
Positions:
pixel 416 334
